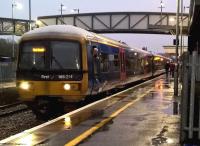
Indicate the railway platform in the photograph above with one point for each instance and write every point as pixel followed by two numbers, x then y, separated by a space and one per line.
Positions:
pixel 144 115
pixel 153 120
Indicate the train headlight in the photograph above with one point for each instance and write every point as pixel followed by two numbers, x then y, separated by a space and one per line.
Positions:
pixel 67 86
pixel 24 85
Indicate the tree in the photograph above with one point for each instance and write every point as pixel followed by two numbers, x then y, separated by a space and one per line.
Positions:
pixel 6 47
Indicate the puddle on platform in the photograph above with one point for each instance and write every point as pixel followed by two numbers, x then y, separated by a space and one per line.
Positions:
pixel 161 138
pixel 172 109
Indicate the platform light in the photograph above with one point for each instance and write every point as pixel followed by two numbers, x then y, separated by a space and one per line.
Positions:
pixel 67 86
pixel 162 4
pixel 24 85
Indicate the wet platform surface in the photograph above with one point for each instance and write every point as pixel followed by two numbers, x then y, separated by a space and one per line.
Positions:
pixel 151 118
pixel 151 121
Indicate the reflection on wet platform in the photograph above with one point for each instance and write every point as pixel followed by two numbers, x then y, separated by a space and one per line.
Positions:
pixel 153 102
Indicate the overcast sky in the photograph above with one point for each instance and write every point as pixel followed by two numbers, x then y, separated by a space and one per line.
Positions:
pixel 51 7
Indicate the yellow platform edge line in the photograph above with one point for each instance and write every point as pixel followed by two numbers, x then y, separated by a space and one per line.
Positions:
pixel 93 129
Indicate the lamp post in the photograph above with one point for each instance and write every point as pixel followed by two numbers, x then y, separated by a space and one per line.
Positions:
pixel 177 44
pixel 182 36
pixel 29 14
pixel 13 43
pixel 18 6
pixel 62 7
pixel 161 10
pixel 181 29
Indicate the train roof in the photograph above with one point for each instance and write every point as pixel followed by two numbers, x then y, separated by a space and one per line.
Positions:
pixel 58 30
pixel 140 50
pixel 72 31
pixel 69 30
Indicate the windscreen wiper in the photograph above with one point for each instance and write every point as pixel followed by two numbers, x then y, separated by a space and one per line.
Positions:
pixel 57 62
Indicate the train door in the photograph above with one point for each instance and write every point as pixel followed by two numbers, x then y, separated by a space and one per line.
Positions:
pixel 95 54
pixel 96 67
pixel 122 64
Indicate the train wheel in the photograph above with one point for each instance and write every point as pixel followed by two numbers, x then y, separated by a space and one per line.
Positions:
pixel 44 109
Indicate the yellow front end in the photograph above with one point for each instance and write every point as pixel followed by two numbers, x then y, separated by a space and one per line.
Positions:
pixel 69 91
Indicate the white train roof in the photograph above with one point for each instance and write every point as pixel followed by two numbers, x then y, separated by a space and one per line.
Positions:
pixel 70 30
pixel 61 29
pixel 76 31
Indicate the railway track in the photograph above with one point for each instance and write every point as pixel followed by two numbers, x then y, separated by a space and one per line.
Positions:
pixel 11 109
pixel 10 105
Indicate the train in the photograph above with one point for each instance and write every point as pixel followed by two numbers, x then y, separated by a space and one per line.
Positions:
pixel 61 64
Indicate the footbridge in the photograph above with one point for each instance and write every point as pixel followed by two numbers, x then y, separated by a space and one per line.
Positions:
pixel 120 22
pixel 106 22
pixel 9 26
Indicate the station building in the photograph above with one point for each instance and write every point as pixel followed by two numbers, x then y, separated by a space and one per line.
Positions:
pixel 170 50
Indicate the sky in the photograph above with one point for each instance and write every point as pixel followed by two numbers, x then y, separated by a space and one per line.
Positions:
pixel 52 7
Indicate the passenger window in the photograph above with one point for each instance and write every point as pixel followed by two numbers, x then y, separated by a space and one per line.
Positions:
pixel 116 62
pixel 104 67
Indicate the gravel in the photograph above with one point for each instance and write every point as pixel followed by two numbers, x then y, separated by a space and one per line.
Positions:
pixel 17 123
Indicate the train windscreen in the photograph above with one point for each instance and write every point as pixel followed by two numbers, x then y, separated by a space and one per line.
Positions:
pixel 50 55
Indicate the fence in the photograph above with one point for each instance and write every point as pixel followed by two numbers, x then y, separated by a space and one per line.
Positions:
pixel 190 111
pixel 7 72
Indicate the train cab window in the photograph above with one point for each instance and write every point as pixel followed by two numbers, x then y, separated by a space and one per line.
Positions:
pixel 65 55
pixel 32 56
pixel 50 55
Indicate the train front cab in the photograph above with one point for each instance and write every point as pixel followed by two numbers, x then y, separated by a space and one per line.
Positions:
pixel 36 84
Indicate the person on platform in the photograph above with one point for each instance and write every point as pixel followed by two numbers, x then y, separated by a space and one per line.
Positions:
pixel 172 68
pixel 167 67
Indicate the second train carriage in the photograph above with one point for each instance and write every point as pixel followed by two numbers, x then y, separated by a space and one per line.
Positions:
pixel 67 64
